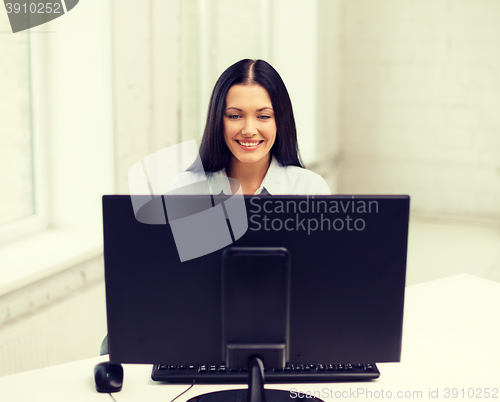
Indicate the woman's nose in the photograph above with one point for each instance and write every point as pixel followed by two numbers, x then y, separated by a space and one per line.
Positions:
pixel 249 128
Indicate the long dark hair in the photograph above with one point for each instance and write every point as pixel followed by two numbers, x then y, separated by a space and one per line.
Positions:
pixel 214 152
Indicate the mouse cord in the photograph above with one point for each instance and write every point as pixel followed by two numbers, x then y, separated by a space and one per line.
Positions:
pixel 112 397
pixel 182 393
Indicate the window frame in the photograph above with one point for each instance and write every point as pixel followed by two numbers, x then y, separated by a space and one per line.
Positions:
pixel 67 228
pixel 39 220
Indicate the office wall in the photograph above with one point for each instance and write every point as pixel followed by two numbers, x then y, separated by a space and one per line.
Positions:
pixel 55 320
pixel 420 101
pixel 328 96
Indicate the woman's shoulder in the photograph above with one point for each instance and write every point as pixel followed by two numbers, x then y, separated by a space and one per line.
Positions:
pixel 302 172
pixel 190 183
pixel 313 182
pixel 200 183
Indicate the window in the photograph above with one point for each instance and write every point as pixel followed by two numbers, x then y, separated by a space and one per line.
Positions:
pixel 16 142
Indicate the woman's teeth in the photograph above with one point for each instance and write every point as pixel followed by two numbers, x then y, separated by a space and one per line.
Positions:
pixel 249 144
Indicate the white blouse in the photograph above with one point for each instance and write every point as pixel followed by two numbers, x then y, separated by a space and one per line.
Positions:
pixel 279 180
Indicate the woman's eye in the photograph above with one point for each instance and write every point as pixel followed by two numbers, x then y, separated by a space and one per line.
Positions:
pixel 264 117
pixel 233 116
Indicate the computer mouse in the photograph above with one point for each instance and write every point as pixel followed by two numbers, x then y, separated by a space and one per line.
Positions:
pixel 108 377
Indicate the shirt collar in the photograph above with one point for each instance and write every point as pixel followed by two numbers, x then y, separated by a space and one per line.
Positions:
pixel 219 183
pixel 274 181
pixel 273 184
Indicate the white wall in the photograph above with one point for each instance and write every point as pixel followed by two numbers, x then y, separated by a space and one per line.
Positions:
pixel 79 115
pixel 328 95
pixel 420 101
pixel 56 320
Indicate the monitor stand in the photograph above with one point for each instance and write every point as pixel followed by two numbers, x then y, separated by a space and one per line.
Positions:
pixel 255 391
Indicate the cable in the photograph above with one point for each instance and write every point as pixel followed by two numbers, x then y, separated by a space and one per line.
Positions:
pixel 182 393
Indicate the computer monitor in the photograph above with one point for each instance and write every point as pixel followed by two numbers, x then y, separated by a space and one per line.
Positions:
pixel 347 258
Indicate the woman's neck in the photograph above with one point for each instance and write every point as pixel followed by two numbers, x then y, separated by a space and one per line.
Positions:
pixel 250 175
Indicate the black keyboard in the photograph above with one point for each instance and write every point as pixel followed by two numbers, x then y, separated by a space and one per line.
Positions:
pixel 290 374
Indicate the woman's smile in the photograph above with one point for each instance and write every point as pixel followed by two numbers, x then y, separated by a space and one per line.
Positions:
pixel 249 145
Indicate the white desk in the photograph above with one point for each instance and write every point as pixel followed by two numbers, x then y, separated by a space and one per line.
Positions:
pixel 451 339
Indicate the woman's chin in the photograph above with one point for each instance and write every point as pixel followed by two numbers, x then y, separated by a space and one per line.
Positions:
pixel 254 158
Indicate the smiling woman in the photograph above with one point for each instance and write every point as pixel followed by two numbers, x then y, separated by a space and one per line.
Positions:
pixel 250 135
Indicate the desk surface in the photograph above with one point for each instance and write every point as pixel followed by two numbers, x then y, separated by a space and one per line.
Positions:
pixel 451 340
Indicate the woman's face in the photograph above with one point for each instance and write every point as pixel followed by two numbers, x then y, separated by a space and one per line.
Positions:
pixel 249 124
